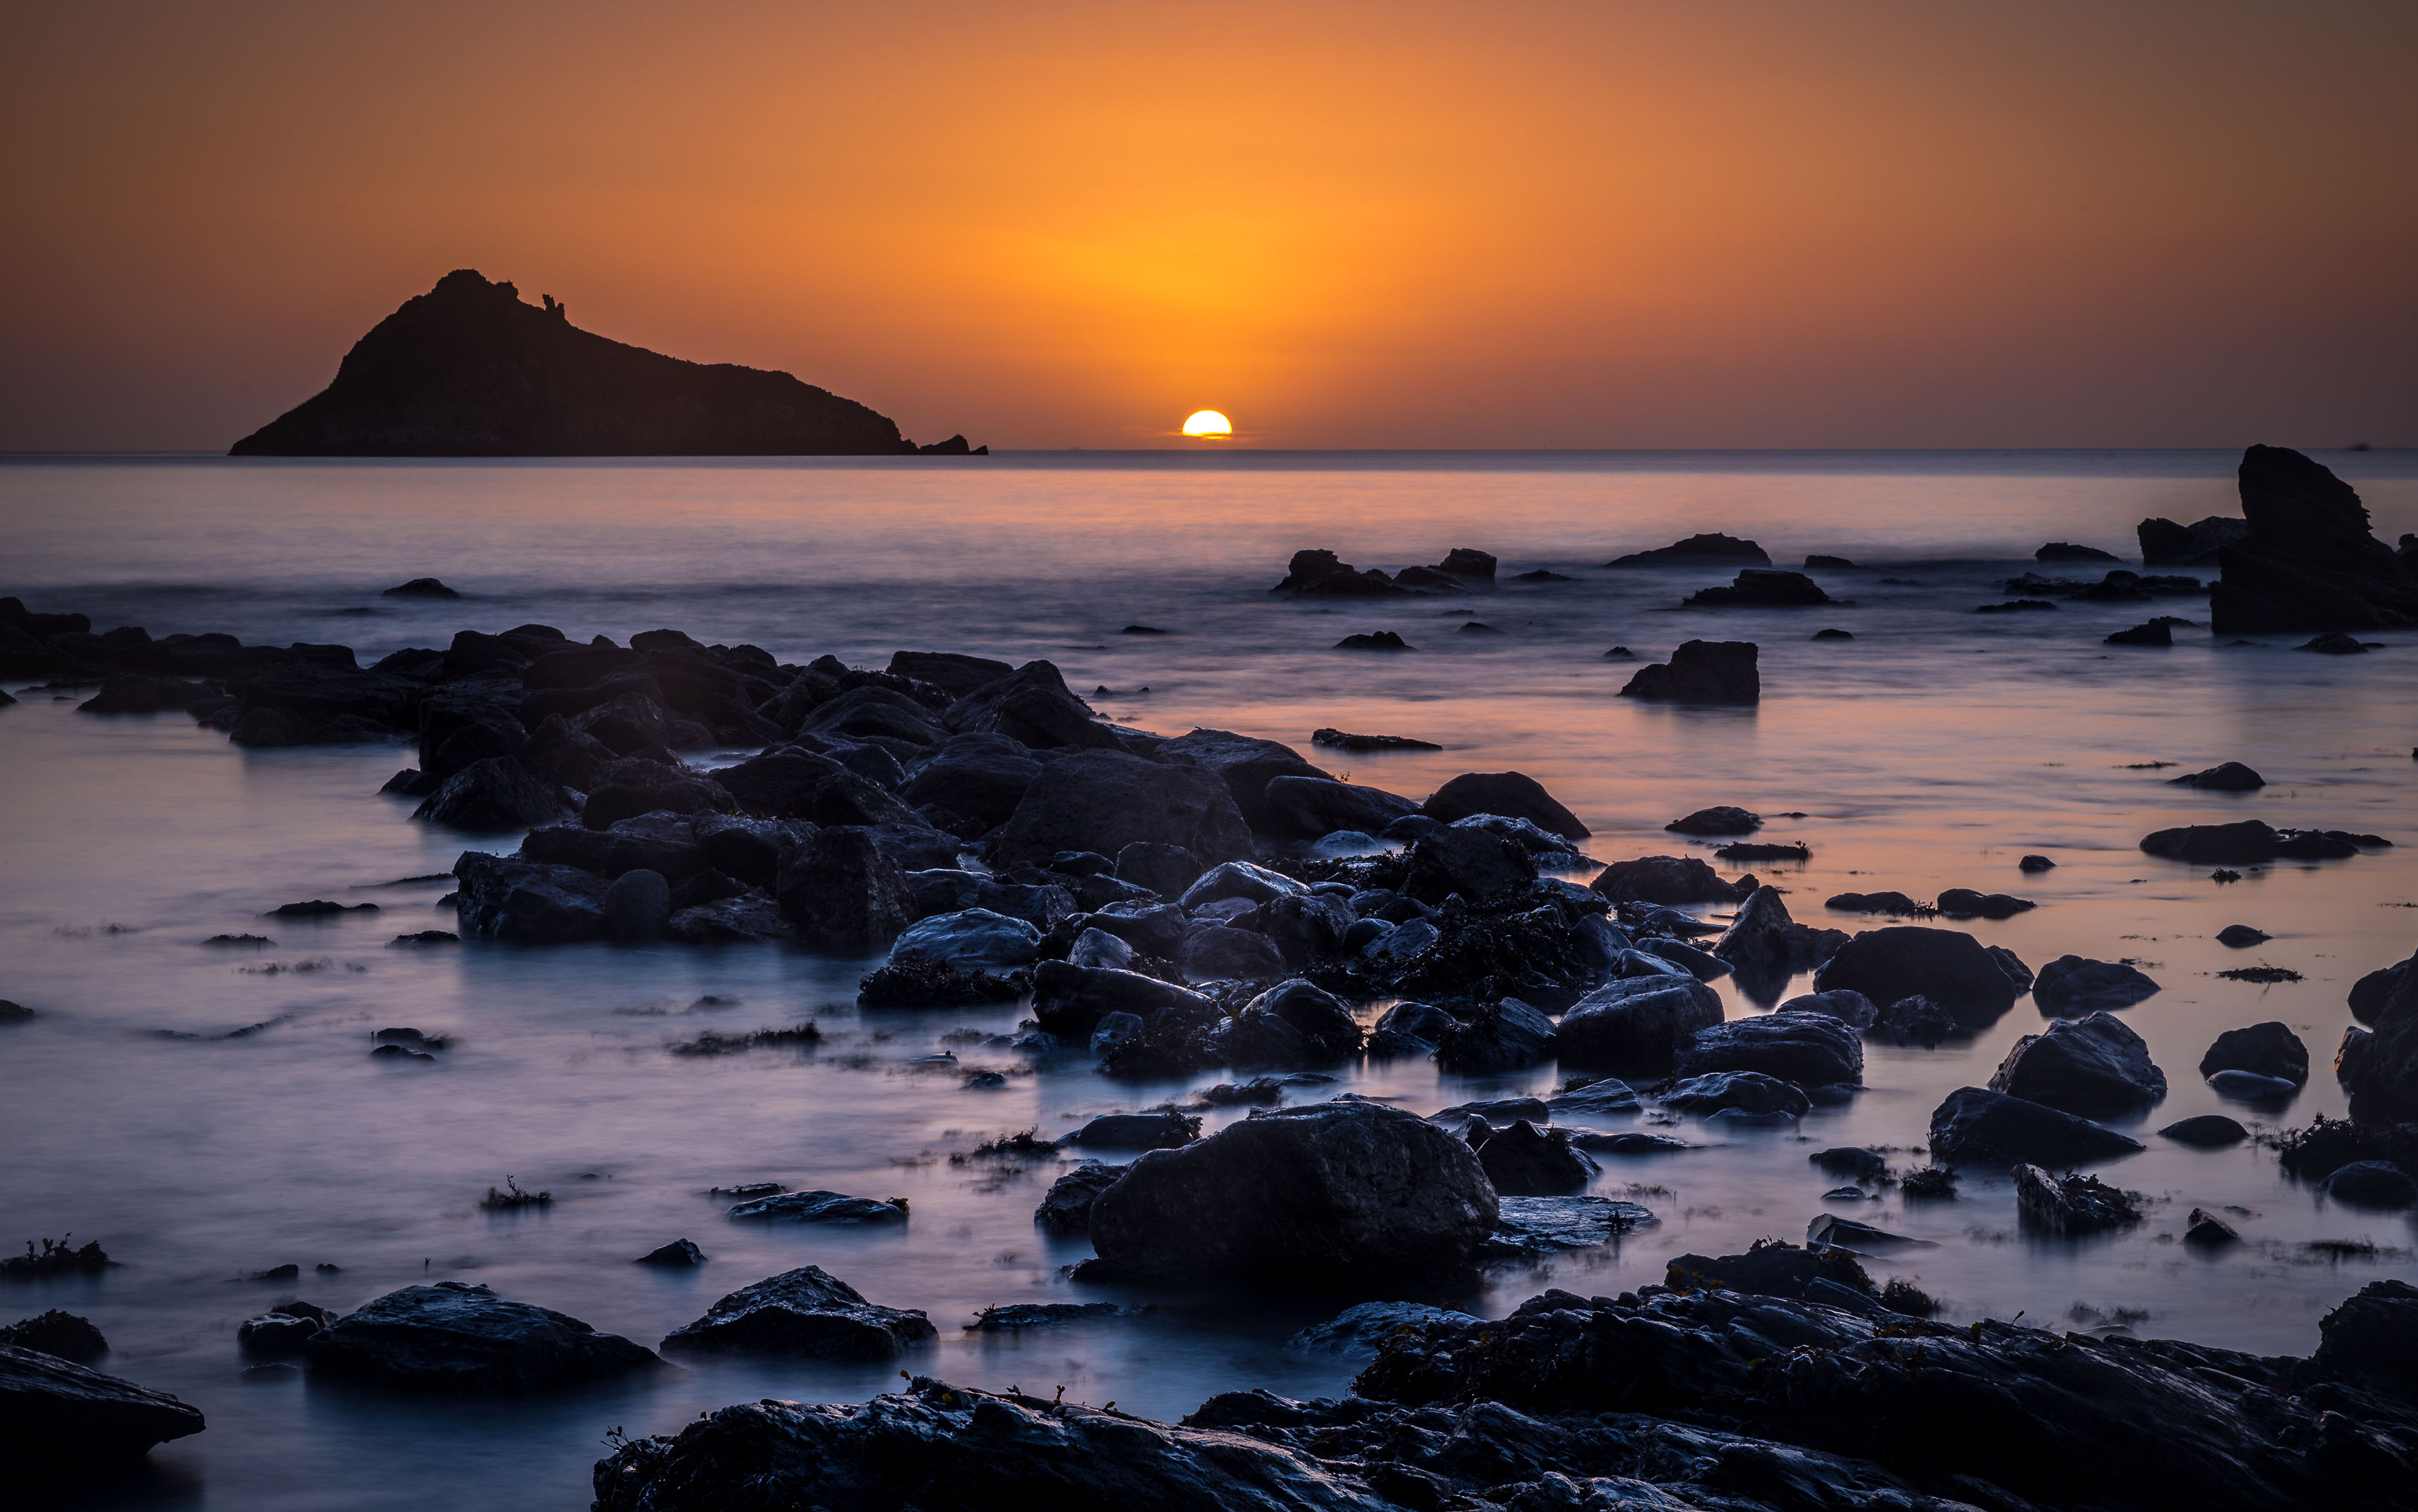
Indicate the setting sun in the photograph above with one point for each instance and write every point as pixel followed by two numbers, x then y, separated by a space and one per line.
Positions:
pixel 1207 422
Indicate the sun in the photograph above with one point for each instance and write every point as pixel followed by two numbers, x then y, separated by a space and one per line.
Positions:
pixel 1208 422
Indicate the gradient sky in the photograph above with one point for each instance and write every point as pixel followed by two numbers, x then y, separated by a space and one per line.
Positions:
pixel 1710 223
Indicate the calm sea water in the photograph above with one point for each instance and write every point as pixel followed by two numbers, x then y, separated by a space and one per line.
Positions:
pixel 1931 751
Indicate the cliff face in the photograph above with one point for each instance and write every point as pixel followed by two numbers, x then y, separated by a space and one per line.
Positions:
pixel 467 370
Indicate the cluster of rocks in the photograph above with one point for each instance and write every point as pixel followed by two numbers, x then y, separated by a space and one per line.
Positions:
pixel 1320 574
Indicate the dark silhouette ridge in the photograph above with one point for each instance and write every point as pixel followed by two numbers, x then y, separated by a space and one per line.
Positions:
pixel 467 370
pixel 2308 561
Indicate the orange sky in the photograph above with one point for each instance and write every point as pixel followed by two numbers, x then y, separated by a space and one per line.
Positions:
pixel 1687 222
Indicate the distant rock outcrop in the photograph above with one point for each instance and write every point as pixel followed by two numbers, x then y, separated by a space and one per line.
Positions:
pixel 467 370
pixel 2309 562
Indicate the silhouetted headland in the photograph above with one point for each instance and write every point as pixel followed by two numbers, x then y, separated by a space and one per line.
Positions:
pixel 468 369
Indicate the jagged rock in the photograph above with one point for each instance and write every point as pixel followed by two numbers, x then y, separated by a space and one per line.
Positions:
pixel 660 843
pixel 62 1334
pixel 1767 946
pixel 1510 794
pixel 1409 1028
pixel 1739 1092
pixel 1033 704
pixel 1668 880
pixel 633 785
pixel 1947 966
pixel 1067 1208
pixel 952 672
pixel 2069 1205
pixel 806 1314
pixel 2164 543
pixel 1526 1161
pixel 468 369
pixel 2228 777
pixel 1762 589
pixel 1070 1001
pixel 1771 1270
pixel 2066 551
pixel 2159 632
pixel 679 1254
pixel 1310 807
pixel 1319 573
pixel 1974 1126
pixel 841 892
pixel 2072 985
pixel 56 1416
pixel 1701 672
pixel 1533 1227
pixel 498 793
pixel 2268 1049
pixel 1471 863
pixel 982 776
pixel 1247 766
pixel 731 921
pixel 1711 546
pixel 795 784
pixel 1215 954
pixel 1328 1189
pixel 973 937
pixel 1360 1327
pixel 2205 1228
pixel 1636 1023
pixel 2308 561
pixel 1104 800
pixel 820 1207
pixel 528 903
pixel 452 1336
pixel 1809 1049
pixel 1596 1099
pixel 2248 843
pixel 1508 1036
pixel 2082 1065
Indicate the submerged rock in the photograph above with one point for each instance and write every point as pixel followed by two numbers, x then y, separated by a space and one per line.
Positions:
pixel 1526 1161
pixel 1975 1127
pixel 1361 1327
pixel 62 1334
pixel 1946 966
pixel 2072 985
pixel 2071 1204
pixel 2208 1130
pixel 1809 1050
pixel 1762 589
pixel 1701 672
pixel 2268 1049
pixel 822 1207
pixel 2230 777
pixel 1736 1092
pixel 454 1337
pixel 1531 1227
pixel 1669 879
pixel 2248 843
pixel 807 1313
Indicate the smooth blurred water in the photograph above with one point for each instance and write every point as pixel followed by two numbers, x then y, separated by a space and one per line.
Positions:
pixel 1931 751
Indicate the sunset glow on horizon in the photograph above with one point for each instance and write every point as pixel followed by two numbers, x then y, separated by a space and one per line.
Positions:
pixel 1744 223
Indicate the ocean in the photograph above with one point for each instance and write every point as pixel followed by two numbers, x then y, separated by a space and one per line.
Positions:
pixel 207 1117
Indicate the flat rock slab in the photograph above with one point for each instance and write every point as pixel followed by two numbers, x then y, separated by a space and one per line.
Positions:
pixel 821 1207
pixel 807 1313
pixel 1531 1226
pixel 55 1414
pixel 454 1336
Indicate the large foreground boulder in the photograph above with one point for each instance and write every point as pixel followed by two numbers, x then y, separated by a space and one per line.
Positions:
pixel 1309 808
pixel 1947 966
pixel 454 1336
pixel 1514 795
pixel 1104 801
pixel 56 1416
pixel 1809 1049
pixel 807 1313
pixel 1332 1190
pixel 1668 880
pixel 2094 1065
pixel 1636 1023
pixel 1033 706
pixel 2308 561
pixel 1701 672
pixel 1991 1128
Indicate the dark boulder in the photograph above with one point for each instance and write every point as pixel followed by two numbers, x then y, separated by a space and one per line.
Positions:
pixel 420 588
pixel 1671 879
pixel 1771 1270
pixel 2248 843
pixel 1321 574
pixel 1338 1190
pixel 1979 1127
pixel 634 785
pixel 1526 1161
pixel 1512 794
pixel 1850 1008
pixel 981 776
pixel 1310 807
pixel 1070 1001
pixel 2370 1184
pixel 1809 1049
pixel 62 1334
pixel 1470 863
pixel 1031 705
pixel 2069 1205
pixel 1758 587
pixel 1213 952
pixel 678 1254
pixel 1722 819
pixel 1914 1020
pixel 841 891
pixel 140 693
pixel 1104 800
pixel 2094 1065
pixel 2230 777
pixel 527 902
pixel 2066 551
pixel 1247 766
pixel 2379 1069
pixel 952 672
pixel 797 783
pixel 1164 869
pixel 2208 1130
pixel 2370 993
pixel 2073 985
pixel 2268 1049
pixel 1381 640
pixel 1636 1023
pixel 2241 936
pixel 2155 633
pixel 495 794
pixel 1767 947
pixel 1947 966
pixel 56 1416
pixel 662 842
pixel 1508 1036
pixel 2164 543
pixel 637 906
pixel 1067 1208
pixel 1409 1028
pixel 1751 1093
pixel 1161 1129
pixel 2308 562
pixel 1967 902
pixel 1701 672
pixel 1711 546
pixel 829 1209
pixel 452 1336
pixel 803 1314
pixel 1326 1026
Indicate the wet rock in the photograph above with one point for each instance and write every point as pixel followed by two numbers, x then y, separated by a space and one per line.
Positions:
pixel 2370 993
pixel 2241 936
pixel 1525 1161
pixel 1758 587
pixel 1861 1163
pixel 2066 551
pixel 2308 561
pixel 1889 903
pixel 1165 870
pixel 1409 1028
pixel 140 693
pixel 2208 1130
pixel 1767 947
pixel 57 1332
pixel 982 776
pixel 2207 1229
pixel 841 892
pixel 1721 819
pixel 498 793
pixel 660 843
pixel 1668 880
pixel 2370 1184
pixel 1770 1270
pixel 1833 633
pixel 2015 606
pixel 1329 1189
pixel 1310 807
pixel 2069 1205
pixel 975 937
pixel 1320 573
pixel 952 672
pixel 452 1336
pixel 637 906
pixel 1701 672
pixel 1596 1099
pixel 1031 705
pixel 1067 1208
pixel 2250 1087
pixel 1508 1036
pixel 2230 777
pixel 1946 966
pixel 1104 800
pixel 1831 1231
pixel 2155 633
pixel 1161 1129
pixel 1098 947
pixel 832 1208
pixel 1636 1023
pixel 806 1314
pixel 2072 985
pixel 1965 902
pixel 2164 543
pixel 2268 1049
pixel 1011 1316
pixel 1239 880
pixel 678 1254
pixel 1247 766
pixel 1213 952
pixel 2036 863
pixel 749 918
pixel 1738 1091
pixel 1809 1049
pixel 1852 1009
pixel 1360 1327
pixel 1531 1228
pixel 2094 1065
pixel 1343 741
pixel 1070 1001
pixel 1327 1029
pixel 795 784
pixel 528 903
pixel 2245 844
pixel 1469 863
pixel 57 1416
pixel 274 1335
pixel 2335 643
pixel 634 785
pixel 1711 546
pixel 1974 1126
pixel 1512 794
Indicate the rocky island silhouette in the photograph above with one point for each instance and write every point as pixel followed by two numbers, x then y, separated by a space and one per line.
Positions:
pixel 470 369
